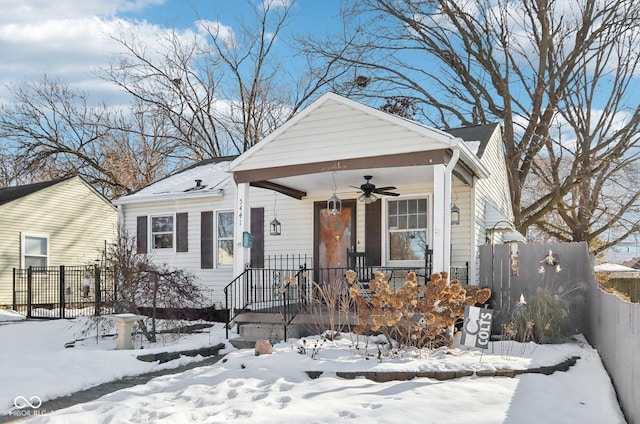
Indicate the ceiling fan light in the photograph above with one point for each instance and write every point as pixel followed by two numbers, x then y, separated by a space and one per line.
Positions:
pixel 367 198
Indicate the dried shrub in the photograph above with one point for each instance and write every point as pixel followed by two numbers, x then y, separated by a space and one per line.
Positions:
pixel 414 315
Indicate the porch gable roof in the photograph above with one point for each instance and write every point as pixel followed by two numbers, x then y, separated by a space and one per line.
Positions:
pixel 334 132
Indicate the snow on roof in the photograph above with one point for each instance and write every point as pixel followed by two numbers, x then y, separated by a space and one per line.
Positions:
pixel 609 267
pixel 202 179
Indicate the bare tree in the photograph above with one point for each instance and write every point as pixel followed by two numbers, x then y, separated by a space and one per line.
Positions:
pixel 13 170
pixel 143 283
pixel 222 91
pixel 55 132
pixel 528 64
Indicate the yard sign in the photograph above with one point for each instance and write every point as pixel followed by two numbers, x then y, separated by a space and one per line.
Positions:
pixel 477 327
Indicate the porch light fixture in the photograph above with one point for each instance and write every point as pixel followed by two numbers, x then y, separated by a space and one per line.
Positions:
pixel 455 211
pixel 455 215
pixel 274 226
pixel 334 204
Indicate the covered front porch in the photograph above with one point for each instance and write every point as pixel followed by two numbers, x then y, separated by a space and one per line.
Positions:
pixel 348 183
pixel 284 287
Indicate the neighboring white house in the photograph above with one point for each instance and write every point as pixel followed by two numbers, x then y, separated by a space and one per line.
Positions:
pixel 61 222
pixel 213 218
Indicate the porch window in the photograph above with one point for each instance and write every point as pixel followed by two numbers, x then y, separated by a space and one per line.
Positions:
pixel 407 229
pixel 35 251
pixel 225 238
pixel 162 232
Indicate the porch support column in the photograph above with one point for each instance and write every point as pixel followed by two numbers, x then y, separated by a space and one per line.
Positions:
pixel 442 183
pixel 241 255
pixel 439 219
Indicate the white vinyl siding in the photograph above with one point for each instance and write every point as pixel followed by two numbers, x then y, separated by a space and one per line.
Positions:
pixel 297 231
pixel 344 132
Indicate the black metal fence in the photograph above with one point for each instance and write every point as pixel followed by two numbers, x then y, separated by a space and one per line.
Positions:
pixel 63 291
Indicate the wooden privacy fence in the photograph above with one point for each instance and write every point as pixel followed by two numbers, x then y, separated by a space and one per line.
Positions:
pixel 561 269
pixel 63 291
pixel 615 333
pixel 611 325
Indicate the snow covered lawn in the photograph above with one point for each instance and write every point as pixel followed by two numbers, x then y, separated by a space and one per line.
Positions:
pixel 275 388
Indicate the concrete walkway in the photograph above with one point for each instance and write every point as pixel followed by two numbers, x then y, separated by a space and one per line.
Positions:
pixel 96 392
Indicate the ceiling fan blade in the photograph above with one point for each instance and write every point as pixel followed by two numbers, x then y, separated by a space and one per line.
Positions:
pixel 387 193
pixel 387 188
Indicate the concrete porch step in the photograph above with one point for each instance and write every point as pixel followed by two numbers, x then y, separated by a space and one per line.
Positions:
pixel 267 331
pixel 252 332
pixel 253 326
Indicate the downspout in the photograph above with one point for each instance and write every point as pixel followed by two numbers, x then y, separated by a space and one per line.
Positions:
pixel 448 181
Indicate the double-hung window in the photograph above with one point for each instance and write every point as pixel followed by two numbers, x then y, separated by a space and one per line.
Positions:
pixel 225 238
pixel 162 232
pixel 35 251
pixel 407 226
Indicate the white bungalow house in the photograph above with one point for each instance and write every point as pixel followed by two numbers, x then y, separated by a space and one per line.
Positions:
pixel 242 224
pixel 428 176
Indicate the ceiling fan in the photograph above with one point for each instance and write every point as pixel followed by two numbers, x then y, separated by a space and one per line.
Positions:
pixel 369 191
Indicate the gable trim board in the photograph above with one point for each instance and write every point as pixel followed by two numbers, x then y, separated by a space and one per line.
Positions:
pixel 431 157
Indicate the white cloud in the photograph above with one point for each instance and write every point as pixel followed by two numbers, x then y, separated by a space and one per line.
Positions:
pixel 68 39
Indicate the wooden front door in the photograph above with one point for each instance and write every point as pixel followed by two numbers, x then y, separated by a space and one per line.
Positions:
pixel 333 235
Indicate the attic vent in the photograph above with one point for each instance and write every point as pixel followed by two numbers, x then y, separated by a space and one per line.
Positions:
pixel 198 186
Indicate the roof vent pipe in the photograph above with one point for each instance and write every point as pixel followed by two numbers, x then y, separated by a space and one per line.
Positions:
pixel 198 183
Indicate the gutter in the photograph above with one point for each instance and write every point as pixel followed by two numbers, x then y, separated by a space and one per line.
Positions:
pixel 218 193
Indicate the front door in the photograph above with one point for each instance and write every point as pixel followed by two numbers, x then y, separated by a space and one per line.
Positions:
pixel 333 235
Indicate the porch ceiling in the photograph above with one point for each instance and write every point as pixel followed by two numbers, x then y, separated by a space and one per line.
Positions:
pixel 347 182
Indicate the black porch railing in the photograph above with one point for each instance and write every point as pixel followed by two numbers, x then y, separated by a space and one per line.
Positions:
pixel 63 291
pixel 286 290
pixel 267 290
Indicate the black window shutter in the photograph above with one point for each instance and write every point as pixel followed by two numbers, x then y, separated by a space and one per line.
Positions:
pixel 373 232
pixel 182 235
pixel 206 240
pixel 141 234
pixel 257 231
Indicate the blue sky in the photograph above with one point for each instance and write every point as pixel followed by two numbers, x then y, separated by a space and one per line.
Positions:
pixel 69 39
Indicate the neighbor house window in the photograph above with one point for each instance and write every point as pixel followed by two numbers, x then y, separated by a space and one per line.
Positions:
pixel 407 226
pixel 35 251
pixel 162 232
pixel 225 238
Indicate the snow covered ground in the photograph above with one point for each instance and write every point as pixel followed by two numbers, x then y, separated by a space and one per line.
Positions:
pixel 35 366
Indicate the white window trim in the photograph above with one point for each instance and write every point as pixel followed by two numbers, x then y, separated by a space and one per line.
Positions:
pixel 385 228
pixel 217 239
pixel 23 236
pixel 150 233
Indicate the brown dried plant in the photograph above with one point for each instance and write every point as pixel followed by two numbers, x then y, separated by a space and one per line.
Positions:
pixel 414 315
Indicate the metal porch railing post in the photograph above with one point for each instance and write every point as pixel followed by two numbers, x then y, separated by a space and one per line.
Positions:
pixel 29 290
pixel 97 294
pixel 61 278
